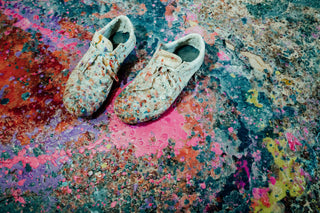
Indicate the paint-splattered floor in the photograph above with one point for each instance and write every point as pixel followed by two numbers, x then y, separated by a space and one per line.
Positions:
pixel 243 136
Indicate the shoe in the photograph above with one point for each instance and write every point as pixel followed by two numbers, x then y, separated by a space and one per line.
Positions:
pixel 90 82
pixel 158 85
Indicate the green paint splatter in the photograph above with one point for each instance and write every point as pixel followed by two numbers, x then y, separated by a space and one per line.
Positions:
pixel 4 101
pixel 37 152
pixel 25 96
pixel 28 168
pixel 5 156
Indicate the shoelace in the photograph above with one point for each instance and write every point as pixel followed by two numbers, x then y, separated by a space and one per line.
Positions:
pixel 167 76
pixel 108 62
pixel 166 72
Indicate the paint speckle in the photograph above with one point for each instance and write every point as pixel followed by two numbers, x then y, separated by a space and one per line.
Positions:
pixel 25 96
pixel 4 101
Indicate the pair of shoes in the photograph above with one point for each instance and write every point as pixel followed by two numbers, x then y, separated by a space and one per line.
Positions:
pixel 154 89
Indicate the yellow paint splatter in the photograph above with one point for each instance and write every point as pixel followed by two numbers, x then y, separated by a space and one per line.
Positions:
pixel 104 165
pixel 286 81
pixel 253 98
pixel 289 177
pixel 233 75
pixel 100 39
pixel 272 96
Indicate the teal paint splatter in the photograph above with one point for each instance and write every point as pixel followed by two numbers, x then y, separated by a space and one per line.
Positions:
pixel 25 96
pixel 308 3
pixel 28 168
pixel 5 156
pixel 272 9
pixel 4 101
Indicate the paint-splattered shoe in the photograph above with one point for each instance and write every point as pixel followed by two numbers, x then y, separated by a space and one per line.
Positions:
pixel 158 85
pixel 90 82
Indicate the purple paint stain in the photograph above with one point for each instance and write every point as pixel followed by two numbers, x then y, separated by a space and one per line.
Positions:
pixel 45 176
pixel 48 101
pixel 135 186
pixel 18 53
pixel 2 90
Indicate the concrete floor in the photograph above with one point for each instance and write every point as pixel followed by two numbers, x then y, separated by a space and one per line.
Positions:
pixel 242 136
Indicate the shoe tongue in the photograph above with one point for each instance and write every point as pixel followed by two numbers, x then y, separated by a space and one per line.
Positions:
pixel 169 59
pixel 102 42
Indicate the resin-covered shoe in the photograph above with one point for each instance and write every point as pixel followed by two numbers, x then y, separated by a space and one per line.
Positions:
pixel 90 82
pixel 158 85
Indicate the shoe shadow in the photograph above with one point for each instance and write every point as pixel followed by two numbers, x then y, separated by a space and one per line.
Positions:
pixel 123 74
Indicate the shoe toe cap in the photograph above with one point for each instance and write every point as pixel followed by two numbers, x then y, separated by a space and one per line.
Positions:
pixel 77 105
pixel 83 98
pixel 133 108
pixel 125 110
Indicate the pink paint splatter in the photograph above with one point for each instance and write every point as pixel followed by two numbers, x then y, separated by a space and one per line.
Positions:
pixel 257 155
pixel 21 182
pixel 34 162
pixel 113 204
pixel 25 23
pixel 293 141
pixel 169 14
pixel 208 37
pixel 245 167
pixel 62 153
pixel 262 195
pixel 193 141
pixel 81 150
pixel 203 185
pixel 150 138
pixel 272 180
pixel 93 146
pixel 17 196
pixel 67 189
pixel 216 148
pixel 98 142
pixel 191 16
pixel 222 56
pixel 230 129
pixel 69 153
pixel 141 136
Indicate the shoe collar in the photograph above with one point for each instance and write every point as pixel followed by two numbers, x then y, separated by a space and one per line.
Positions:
pixel 102 43
pixel 124 24
pixel 193 39
pixel 167 58
pixel 105 45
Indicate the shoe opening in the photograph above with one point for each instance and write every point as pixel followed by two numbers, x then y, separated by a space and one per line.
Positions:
pixel 119 37
pixel 118 33
pixel 187 48
pixel 187 53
